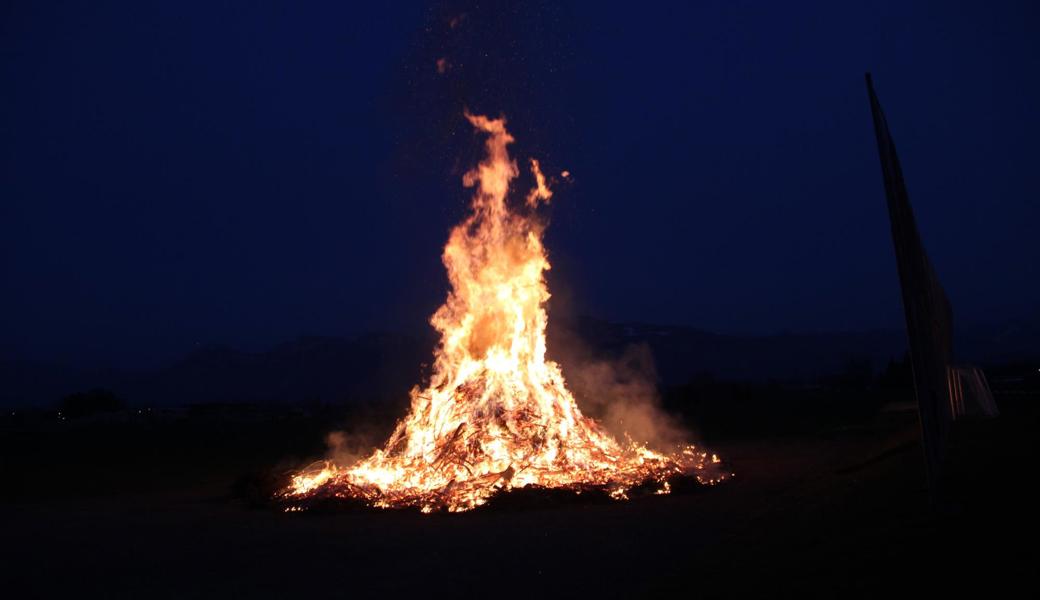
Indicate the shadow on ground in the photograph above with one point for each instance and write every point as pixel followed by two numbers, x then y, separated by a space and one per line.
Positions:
pixel 838 508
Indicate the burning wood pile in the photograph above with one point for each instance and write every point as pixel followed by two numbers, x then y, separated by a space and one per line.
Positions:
pixel 496 414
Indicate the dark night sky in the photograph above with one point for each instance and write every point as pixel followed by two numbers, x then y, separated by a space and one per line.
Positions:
pixel 174 173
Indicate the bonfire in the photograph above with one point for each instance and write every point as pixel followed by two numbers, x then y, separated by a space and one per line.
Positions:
pixel 496 414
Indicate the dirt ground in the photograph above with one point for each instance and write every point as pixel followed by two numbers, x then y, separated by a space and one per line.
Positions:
pixel 841 511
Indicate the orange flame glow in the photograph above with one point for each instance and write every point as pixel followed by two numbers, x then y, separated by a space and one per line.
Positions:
pixel 496 414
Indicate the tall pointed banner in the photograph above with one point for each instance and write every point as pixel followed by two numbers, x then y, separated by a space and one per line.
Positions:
pixel 929 319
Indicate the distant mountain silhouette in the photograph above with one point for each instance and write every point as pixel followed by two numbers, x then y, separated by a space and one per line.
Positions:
pixel 33 383
pixel 309 369
pixel 681 353
pixel 376 367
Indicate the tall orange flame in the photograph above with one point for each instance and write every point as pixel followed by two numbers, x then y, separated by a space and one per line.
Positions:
pixel 496 414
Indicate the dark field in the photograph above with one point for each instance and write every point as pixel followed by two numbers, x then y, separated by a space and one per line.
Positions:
pixel 157 508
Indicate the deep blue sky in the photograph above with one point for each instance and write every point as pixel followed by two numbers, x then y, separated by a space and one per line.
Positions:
pixel 174 173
